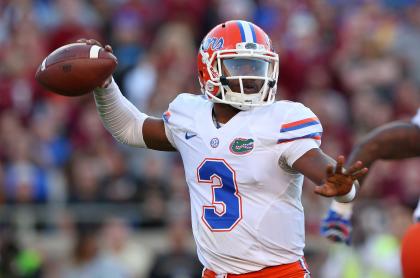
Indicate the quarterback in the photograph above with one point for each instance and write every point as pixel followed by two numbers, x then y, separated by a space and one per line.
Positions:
pixel 244 154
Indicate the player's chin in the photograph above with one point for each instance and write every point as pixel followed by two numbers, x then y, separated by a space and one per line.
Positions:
pixel 250 91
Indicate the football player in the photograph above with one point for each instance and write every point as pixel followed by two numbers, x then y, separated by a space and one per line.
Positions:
pixel 396 140
pixel 244 155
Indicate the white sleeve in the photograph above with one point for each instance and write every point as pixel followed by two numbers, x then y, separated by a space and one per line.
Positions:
pixel 298 148
pixel 179 117
pixel 119 116
pixel 300 132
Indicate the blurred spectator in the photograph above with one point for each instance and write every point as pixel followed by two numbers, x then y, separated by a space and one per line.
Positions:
pixel 370 109
pixel 24 181
pixel 17 262
pixel 173 78
pixel 155 207
pixel 178 261
pixel 235 9
pixel 118 184
pixel 53 148
pixel 141 81
pixel 84 179
pixel 377 255
pixel 87 261
pixel 407 35
pixel 135 259
pixel 127 30
pixel 87 133
pixel 72 20
pixel 406 98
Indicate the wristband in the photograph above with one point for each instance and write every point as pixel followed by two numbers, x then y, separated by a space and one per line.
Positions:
pixel 349 196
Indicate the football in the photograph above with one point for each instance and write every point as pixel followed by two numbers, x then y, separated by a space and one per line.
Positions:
pixel 76 69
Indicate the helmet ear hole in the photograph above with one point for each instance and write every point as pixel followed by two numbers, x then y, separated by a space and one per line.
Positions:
pixel 201 73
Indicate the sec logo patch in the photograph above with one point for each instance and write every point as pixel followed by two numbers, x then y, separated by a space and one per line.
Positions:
pixel 214 143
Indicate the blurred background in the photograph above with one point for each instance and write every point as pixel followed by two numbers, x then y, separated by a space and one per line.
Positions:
pixel 75 203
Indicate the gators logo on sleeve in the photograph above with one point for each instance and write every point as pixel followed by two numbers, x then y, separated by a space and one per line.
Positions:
pixel 241 146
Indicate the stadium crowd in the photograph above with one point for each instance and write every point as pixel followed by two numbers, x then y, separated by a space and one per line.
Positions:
pixel 75 203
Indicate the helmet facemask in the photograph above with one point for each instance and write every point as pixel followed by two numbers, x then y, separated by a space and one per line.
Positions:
pixel 246 76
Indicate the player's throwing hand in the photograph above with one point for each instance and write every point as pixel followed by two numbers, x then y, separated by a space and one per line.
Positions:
pixel 106 47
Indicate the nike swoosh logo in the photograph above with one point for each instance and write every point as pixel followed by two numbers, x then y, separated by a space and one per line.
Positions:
pixel 189 135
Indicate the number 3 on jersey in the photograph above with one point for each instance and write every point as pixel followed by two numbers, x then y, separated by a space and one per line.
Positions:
pixel 226 208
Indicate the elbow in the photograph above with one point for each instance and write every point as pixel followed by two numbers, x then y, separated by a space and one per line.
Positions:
pixel 369 148
pixel 121 139
pixel 121 136
pixel 130 135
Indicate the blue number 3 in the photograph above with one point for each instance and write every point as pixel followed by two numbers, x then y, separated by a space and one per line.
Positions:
pixel 226 209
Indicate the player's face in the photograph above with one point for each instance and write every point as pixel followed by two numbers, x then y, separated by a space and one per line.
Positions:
pixel 245 67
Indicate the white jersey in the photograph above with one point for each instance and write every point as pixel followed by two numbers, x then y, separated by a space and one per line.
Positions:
pixel 245 197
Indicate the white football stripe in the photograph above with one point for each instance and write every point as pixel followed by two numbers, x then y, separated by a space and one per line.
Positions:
pixel 247 31
pixel 43 64
pixel 94 51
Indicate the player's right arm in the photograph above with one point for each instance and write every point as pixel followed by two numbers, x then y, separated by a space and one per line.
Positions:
pixel 124 121
pixel 127 124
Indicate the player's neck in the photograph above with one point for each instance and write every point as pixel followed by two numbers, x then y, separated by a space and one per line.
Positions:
pixel 223 112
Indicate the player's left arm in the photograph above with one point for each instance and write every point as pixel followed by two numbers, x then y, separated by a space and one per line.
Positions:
pixel 329 176
pixel 301 133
